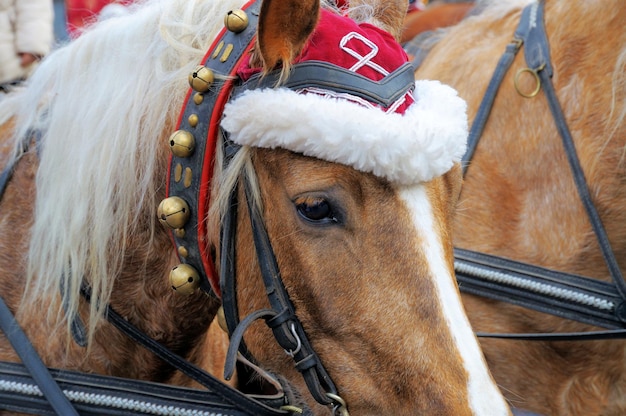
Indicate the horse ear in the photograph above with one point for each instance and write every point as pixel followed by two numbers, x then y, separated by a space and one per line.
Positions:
pixel 385 14
pixel 284 28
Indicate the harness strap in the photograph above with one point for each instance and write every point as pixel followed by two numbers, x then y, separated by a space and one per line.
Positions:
pixel 20 342
pixel 236 338
pixel 537 54
pixel 200 117
pixel 545 74
pixel 324 75
pixel 281 318
pixel 565 295
pixel 612 334
pixel 484 110
pixel 37 369
pixel 288 331
pixel 97 395
pixel 230 395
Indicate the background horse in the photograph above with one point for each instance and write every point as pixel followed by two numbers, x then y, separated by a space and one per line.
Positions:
pixel 363 246
pixel 519 200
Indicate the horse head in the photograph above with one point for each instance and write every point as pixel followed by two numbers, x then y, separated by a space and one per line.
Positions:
pixel 356 194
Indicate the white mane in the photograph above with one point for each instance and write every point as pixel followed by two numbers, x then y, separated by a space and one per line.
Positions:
pixel 104 104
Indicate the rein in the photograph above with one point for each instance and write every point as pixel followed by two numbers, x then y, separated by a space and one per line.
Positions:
pixel 561 294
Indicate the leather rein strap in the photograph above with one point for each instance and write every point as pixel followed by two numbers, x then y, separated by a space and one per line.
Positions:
pixel 561 294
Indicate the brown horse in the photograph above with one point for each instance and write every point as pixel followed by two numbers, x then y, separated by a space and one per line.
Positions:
pixel 519 200
pixel 357 211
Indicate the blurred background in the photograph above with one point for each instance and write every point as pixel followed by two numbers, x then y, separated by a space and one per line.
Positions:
pixel 60 22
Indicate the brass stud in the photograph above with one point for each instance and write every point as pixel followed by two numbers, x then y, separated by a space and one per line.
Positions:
pixel 173 212
pixel 217 50
pixel 236 21
pixel 184 279
pixel 221 319
pixel 179 232
pixel 178 172
pixel 182 250
pixel 201 78
pixel 198 98
pixel 227 52
pixel 193 120
pixel 182 143
pixel 188 177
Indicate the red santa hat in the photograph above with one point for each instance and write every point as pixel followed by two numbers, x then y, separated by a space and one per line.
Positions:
pixel 416 134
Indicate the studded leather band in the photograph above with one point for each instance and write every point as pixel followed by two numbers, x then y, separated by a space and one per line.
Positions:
pixel 193 149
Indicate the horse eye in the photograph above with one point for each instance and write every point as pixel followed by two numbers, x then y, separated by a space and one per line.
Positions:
pixel 315 209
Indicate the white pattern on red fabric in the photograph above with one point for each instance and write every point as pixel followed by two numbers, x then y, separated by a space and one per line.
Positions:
pixel 362 60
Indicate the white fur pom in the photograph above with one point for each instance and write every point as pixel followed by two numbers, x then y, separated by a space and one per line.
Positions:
pixel 423 143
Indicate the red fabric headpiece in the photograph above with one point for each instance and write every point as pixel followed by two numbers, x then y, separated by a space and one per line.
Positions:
pixel 361 48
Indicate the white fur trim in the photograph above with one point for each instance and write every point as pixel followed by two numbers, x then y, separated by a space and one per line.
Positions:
pixel 423 143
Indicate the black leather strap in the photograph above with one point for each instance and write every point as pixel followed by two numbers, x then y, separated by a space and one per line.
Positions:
pixel 562 294
pixel 281 318
pixel 537 59
pixel 108 396
pixel 331 77
pixel 484 110
pixel 230 395
pixel 200 163
pixel 560 336
pixel 288 331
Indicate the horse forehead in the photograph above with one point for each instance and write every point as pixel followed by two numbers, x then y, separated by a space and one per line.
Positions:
pixel 378 203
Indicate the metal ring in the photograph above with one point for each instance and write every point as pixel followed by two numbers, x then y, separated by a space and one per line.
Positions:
pixel 535 74
pixel 291 353
pixel 340 408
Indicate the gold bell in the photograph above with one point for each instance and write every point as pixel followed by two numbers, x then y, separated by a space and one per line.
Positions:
pixel 221 319
pixel 173 212
pixel 201 78
pixel 184 279
pixel 236 21
pixel 182 143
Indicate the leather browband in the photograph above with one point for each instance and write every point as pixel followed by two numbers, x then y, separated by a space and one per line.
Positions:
pixel 335 78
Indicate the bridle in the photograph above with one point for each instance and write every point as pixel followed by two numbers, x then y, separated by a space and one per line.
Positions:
pixel 281 316
pixel 561 294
